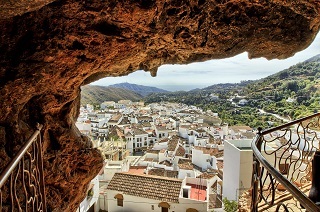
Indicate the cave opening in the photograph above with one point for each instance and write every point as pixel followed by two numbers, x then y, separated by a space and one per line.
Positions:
pixel 177 74
pixel 51 48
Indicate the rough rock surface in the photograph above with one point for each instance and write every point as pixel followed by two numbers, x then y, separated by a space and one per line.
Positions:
pixel 49 50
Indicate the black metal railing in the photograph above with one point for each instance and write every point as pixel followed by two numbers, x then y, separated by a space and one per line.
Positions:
pixel 22 182
pixel 282 167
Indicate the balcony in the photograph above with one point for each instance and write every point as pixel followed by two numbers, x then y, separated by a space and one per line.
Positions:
pixel 22 181
pixel 286 167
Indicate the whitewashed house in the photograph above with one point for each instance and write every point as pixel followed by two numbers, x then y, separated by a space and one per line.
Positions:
pixel 206 157
pixel 237 168
pixel 161 132
pixel 136 193
pixel 90 202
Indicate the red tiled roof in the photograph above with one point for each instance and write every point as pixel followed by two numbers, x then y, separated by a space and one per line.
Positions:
pixel 185 164
pixel 137 169
pixel 172 144
pixel 153 151
pixel 165 162
pixel 211 151
pixel 206 175
pixel 180 151
pixel 146 186
pixel 163 173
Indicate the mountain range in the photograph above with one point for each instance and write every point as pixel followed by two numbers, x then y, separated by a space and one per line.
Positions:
pixel 93 94
pixel 299 81
pixel 140 89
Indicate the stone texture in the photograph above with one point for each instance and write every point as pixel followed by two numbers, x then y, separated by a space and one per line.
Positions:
pixel 49 50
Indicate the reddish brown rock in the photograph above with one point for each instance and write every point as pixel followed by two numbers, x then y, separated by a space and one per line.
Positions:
pixel 48 53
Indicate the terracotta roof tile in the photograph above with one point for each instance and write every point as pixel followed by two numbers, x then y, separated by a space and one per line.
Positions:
pixel 172 144
pixel 185 164
pixel 211 151
pixel 153 151
pixel 180 151
pixel 163 173
pixel 165 162
pixel 206 175
pixel 158 188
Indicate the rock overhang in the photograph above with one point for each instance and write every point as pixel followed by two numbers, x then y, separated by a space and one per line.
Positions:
pixel 50 48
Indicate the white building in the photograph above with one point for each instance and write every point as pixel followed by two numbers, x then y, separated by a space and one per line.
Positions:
pixel 107 104
pixel 206 157
pixel 90 203
pixel 161 132
pixel 128 192
pixel 237 168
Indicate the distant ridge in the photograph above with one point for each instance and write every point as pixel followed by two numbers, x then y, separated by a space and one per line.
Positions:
pixel 93 94
pixel 140 89
pixel 313 59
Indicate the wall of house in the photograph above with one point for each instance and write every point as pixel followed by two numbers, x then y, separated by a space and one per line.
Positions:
pixel 186 203
pixel 200 159
pixel 103 202
pixel 183 173
pixel 201 141
pixel 130 144
pixel 93 200
pixel 152 155
pixel 231 171
pixel 138 204
pixel 237 171
pixel 183 132
pixel 246 158
pixel 195 181
pixel 113 167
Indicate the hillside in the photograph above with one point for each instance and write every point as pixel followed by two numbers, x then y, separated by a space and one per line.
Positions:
pixel 140 89
pixel 92 94
pixel 293 92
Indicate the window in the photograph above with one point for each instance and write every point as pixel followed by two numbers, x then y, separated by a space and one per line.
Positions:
pixel 164 206
pixel 120 202
pixel 119 198
pixel 163 209
pixel 152 207
pixel 185 193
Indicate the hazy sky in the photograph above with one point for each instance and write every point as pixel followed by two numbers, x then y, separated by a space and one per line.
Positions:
pixel 200 75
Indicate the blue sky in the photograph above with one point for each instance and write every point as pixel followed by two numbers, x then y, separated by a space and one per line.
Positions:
pixel 200 75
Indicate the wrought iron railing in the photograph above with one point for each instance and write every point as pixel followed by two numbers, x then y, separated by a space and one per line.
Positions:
pixel 22 182
pixel 283 168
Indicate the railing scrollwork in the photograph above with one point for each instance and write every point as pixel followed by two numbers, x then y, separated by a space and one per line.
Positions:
pixel 282 168
pixel 22 181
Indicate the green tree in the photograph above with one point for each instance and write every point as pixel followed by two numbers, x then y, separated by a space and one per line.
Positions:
pixel 230 205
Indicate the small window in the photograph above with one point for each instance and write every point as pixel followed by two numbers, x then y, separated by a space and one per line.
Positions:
pixel 119 198
pixel 120 202
pixel 164 209
pixel 152 207
pixel 185 193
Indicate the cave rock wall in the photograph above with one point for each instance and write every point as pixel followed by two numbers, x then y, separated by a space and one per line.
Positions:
pixel 50 48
